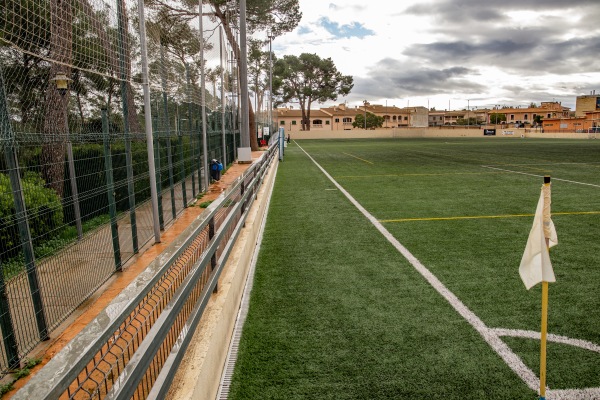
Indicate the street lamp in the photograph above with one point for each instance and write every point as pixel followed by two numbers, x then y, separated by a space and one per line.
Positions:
pixel 496 114
pixel 468 114
pixel 62 83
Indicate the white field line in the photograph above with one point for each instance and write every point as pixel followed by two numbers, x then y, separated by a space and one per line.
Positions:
pixel 591 163
pixel 584 344
pixel 491 336
pixel 540 176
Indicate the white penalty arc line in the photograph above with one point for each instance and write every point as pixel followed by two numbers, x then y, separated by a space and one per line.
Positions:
pixel 491 336
pixel 540 176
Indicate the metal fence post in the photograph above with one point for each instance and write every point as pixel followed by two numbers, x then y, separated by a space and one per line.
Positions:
pixel 148 123
pixel 203 99
pixel 213 259
pixel 161 218
pixel 10 156
pixel 182 162
pixel 221 55
pixel 189 115
pixel 167 128
pixel 110 191
pixel 6 324
pixel 131 192
pixel 242 191
pixel 170 163
pixel 128 158
pixel 201 182
pixel 199 166
pixel 74 192
pixel 26 243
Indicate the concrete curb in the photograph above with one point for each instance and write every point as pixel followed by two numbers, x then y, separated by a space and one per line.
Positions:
pixel 200 371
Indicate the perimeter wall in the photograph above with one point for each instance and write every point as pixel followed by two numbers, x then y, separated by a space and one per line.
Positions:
pixel 432 133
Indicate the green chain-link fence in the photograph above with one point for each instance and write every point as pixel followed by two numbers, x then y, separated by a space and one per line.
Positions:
pixel 74 174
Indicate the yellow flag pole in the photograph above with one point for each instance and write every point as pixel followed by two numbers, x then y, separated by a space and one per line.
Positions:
pixel 543 340
pixel 544 328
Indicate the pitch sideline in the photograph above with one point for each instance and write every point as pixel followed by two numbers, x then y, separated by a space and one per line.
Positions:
pixel 490 335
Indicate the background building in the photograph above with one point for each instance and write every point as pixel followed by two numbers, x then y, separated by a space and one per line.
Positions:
pixel 590 103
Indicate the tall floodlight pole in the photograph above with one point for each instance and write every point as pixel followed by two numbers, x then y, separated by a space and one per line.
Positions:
pixel 386 114
pixel 244 152
pixel 468 113
pixel 203 99
pixel 222 56
pixel 148 122
pixel 271 37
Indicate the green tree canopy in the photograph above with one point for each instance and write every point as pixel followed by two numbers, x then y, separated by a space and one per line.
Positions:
pixel 467 121
pixel 496 118
pixel 306 79
pixel 373 121
pixel 275 16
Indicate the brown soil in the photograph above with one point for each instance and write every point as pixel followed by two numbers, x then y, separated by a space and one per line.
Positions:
pixel 91 308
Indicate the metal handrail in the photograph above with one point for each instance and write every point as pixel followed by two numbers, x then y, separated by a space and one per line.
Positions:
pixel 133 347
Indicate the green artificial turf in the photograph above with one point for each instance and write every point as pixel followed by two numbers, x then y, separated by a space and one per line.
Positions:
pixel 337 313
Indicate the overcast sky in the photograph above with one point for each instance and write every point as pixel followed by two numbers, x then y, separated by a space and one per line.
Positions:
pixel 457 52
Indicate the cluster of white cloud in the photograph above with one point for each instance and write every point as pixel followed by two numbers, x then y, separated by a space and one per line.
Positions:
pixel 455 51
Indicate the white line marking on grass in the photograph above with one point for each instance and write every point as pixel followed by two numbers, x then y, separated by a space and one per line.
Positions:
pixel 401 175
pixel 490 335
pixel 553 163
pixel 385 221
pixel 584 344
pixel 541 176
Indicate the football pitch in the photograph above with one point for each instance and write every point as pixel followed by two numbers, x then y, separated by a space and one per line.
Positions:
pixel 389 270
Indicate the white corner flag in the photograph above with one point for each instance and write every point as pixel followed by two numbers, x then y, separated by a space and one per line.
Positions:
pixel 535 264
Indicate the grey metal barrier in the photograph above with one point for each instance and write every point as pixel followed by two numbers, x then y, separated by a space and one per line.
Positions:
pixel 134 346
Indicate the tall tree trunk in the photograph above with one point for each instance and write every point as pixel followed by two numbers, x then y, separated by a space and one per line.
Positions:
pixel 134 121
pixel 303 112
pixel 55 114
pixel 237 54
pixel 308 115
pixel 253 136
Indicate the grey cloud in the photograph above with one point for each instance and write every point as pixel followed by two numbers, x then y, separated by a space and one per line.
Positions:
pixel 460 50
pixel 392 78
pixel 460 15
pixel 467 7
pixel 355 7
pixel 535 56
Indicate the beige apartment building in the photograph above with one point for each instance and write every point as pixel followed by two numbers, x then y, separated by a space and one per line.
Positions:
pixel 555 117
pixel 341 117
pixel 547 110
pixel 441 118
pixel 585 104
